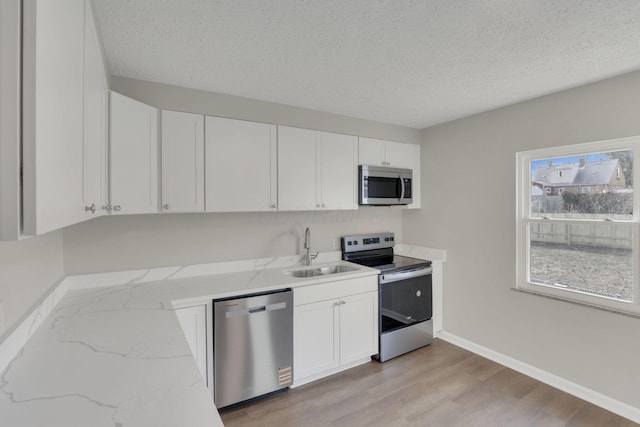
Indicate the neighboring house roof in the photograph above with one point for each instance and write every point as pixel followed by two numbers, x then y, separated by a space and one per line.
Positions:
pixel 596 173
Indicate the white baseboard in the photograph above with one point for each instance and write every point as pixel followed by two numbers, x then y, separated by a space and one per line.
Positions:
pixel 584 393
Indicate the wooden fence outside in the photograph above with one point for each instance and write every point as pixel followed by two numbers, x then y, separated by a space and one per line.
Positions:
pixel 597 234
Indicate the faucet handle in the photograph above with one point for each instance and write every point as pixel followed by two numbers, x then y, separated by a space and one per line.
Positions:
pixel 314 256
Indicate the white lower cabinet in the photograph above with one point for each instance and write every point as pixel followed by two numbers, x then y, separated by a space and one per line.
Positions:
pixel 193 321
pixel 316 348
pixel 335 327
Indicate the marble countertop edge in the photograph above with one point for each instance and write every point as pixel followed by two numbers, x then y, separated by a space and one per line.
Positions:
pixel 118 321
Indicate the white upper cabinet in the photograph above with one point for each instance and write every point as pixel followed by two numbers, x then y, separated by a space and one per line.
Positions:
pixel 372 152
pixel 395 155
pixel 339 171
pixel 133 143
pixel 53 67
pixel 95 122
pixel 241 166
pixel 10 119
pixel 182 162
pixel 316 170
pixel 297 169
pixel 386 153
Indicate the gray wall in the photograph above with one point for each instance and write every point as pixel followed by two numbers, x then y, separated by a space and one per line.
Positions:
pixel 216 104
pixel 140 241
pixel 28 268
pixel 471 213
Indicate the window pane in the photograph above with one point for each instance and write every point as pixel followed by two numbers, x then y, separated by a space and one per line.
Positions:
pixel 590 258
pixel 583 187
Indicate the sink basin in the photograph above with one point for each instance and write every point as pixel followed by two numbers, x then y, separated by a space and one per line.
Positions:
pixel 303 273
pixel 320 271
pixel 333 269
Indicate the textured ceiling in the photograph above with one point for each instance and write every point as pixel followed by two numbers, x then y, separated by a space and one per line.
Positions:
pixel 412 63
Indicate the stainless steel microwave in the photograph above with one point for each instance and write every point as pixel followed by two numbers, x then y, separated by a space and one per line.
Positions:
pixel 382 186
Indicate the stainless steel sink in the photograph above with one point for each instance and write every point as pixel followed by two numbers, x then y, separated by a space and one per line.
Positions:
pixel 333 269
pixel 320 271
pixel 303 273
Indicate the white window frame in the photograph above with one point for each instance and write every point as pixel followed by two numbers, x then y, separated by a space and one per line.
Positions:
pixel 524 219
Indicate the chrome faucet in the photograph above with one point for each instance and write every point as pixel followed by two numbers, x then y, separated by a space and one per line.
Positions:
pixel 307 245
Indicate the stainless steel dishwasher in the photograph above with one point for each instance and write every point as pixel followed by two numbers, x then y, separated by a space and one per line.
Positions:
pixel 252 346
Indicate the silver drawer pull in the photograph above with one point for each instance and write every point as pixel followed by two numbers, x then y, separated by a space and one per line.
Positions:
pixel 252 310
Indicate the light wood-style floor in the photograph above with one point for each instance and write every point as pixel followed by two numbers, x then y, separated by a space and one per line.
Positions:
pixel 438 385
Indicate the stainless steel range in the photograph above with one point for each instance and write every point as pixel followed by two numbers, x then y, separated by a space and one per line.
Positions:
pixel 405 293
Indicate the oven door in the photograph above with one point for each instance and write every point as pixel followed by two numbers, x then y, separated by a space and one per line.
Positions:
pixel 405 298
pixel 385 186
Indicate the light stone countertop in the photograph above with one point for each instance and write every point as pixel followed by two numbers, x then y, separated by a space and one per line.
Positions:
pixel 116 355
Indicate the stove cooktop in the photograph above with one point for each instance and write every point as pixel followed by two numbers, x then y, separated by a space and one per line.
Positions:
pixel 392 263
pixel 376 251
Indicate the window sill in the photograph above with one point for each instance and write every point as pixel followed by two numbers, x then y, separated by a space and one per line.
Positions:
pixel 572 301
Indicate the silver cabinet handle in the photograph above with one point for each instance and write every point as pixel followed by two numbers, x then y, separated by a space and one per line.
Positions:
pixel 117 208
pixel 91 208
pixel 342 302
pixel 318 205
pixel 106 208
pixel 273 206
pixel 323 205
pixel 394 277
pixel 165 206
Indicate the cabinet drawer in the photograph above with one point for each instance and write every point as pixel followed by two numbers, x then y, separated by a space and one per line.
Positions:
pixel 341 288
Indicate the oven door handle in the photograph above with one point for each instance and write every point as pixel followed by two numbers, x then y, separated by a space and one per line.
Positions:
pixel 394 277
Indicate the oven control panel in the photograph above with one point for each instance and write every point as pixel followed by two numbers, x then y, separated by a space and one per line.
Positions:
pixel 364 242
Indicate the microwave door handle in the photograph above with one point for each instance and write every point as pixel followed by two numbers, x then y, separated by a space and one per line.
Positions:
pixel 401 189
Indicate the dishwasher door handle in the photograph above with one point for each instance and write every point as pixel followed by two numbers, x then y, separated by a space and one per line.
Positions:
pixel 252 310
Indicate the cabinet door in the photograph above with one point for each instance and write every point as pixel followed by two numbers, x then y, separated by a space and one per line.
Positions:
pixel 95 122
pixel 10 120
pixel 297 172
pixel 241 166
pixel 182 162
pixel 407 156
pixel 316 339
pixel 371 151
pixel 193 321
pixel 133 146
pixel 358 327
pixel 339 171
pixel 53 67
pixel 399 155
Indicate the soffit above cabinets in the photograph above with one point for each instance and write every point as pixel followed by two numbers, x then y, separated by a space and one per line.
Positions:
pixel 411 63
